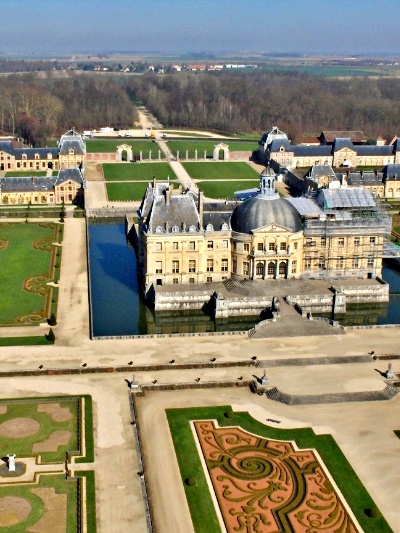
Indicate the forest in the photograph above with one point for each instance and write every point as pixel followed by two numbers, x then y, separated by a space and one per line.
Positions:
pixel 39 108
pixel 253 102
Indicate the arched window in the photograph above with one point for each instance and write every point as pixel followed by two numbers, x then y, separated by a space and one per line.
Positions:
pixel 282 268
pixel 271 269
pixel 260 268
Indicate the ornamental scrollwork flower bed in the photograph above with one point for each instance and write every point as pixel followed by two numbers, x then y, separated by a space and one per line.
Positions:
pixel 265 486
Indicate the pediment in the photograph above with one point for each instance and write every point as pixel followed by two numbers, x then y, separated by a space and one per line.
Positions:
pixel 271 228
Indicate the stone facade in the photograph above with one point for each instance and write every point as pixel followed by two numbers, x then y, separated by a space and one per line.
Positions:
pixel 70 153
pixel 180 239
pixel 341 153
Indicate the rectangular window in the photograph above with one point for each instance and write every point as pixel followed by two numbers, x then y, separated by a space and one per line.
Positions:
pixel 295 245
pixel 224 245
pixel 210 245
pixel 192 245
pixel 372 240
pixel 340 262
pixel 356 261
pixel 175 267
pixel 192 265
pixel 321 262
pixel 246 247
pixel 307 263
pixel 260 247
pixel 224 265
pixel 323 242
pixel 191 280
pixel 356 241
pixel 210 265
pixel 370 261
pixel 175 281
pixel 175 246
pixel 341 243
pixel 271 247
pixel 246 268
pixel 158 267
pixel 158 246
pixel 283 246
pixel 209 279
pixel 294 266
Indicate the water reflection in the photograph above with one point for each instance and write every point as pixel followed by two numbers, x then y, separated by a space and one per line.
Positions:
pixel 117 310
pixel 116 307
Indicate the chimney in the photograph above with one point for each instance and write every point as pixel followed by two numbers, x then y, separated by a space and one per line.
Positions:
pixel 200 205
pixel 168 195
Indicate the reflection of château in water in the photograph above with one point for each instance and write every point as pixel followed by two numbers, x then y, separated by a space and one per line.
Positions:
pixel 170 322
pixel 360 314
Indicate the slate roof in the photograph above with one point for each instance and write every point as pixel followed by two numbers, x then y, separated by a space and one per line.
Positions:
pixel 392 171
pixel 319 171
pixel 342 142
pixel 8 147
pixel 276 144
pixel 27 184
pixel 73 140
pixel 180 212
pixel 358 179
pixel 372 149
pixel 311 151
pixel 67 174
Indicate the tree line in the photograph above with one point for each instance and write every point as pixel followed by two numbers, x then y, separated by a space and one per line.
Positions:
pixel 39 109
pixel 253 102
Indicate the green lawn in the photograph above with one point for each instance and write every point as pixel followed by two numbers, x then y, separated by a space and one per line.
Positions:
pixel 225 189
pixel 125 192
pixel 198 496
pixel 137 171
pixel 22 173
pixel 25 341
pixel 110 146
pixel 26 255
pixel 60 486
pixel 208 146
pixel 220 171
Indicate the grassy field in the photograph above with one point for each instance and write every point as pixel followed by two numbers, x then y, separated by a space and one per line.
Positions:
pixel 25 251
pixel 110 146
pixel 225 189
pixel 198 495
pixel 25 341
pixel 22 173
pixel 125 192
pixel 220 171
pixel 137 171
pixel 208 146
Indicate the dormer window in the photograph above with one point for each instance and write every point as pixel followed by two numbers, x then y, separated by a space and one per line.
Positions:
pixel 209 227
pixel 159 229
pixel 71 151
pixel 281 149
pixel 49 156
pixel 24 156
pixel 175 229
pixel 36 156
pixel 192 228
pixel 224 226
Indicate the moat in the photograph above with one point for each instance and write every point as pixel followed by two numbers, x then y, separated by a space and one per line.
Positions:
pixel 117 309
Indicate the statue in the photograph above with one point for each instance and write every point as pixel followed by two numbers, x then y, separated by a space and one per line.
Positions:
pixel 265 379
pixel 389 372
pixel 11 462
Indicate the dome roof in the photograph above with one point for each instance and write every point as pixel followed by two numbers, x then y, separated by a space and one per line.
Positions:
pixel 259 211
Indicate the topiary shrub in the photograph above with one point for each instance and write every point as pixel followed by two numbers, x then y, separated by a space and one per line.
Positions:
pixel 191 481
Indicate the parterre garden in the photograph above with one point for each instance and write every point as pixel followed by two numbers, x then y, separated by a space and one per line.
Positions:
pixel 51 430
pixel 30 259
pixel 266 479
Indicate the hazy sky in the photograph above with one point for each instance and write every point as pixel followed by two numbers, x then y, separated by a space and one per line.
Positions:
pixel 336 26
